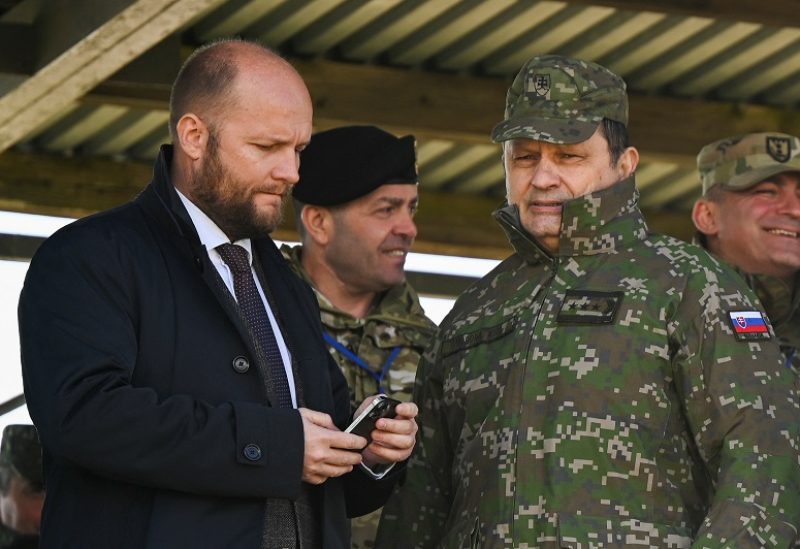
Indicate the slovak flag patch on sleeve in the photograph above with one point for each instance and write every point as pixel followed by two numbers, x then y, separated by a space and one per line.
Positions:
pixel 749 325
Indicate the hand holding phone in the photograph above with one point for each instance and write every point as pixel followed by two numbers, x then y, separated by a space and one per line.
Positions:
pixel 364 424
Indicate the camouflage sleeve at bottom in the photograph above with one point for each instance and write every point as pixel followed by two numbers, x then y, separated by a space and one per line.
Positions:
pixel 418 508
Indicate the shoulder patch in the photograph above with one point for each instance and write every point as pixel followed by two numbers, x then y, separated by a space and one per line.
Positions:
pixel 589 307
pixel 748 325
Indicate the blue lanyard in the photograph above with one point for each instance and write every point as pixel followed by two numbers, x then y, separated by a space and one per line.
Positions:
pixel 358 361
pixel 790 357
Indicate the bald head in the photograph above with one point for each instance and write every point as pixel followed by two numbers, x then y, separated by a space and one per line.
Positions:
pixel 240 117
pixel 208 82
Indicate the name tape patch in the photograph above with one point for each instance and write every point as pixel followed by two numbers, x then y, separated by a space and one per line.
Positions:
pixel 589 307
pixel 748 325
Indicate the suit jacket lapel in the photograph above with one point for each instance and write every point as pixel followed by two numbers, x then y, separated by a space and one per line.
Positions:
pixel 209 272
pixel 229 305
pixel 178 222
pixel 161 200
pixel 296 325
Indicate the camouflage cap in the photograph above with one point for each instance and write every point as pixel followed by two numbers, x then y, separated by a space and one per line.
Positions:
pixel 738 163
pixel 561 100
pixel 20 450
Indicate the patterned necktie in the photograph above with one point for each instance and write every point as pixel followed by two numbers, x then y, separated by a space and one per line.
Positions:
pixel 255 315
pixel 280 516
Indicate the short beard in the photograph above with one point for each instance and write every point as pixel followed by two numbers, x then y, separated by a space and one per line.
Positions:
pixel 227 202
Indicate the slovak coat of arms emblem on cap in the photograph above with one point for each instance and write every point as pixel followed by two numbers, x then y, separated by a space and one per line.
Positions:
pixel 779 148
pixel 541 84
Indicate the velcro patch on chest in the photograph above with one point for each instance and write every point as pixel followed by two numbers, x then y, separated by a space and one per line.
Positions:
pixel 748 325
pixel 589 307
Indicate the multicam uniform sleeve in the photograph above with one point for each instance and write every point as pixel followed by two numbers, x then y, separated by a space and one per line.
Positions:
pixel 741 406
pixel 418 509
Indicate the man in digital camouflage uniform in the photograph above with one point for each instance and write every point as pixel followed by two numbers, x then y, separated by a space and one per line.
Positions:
pixel 355 206
pixel 596 389
pixel 749 216
pixel 21 490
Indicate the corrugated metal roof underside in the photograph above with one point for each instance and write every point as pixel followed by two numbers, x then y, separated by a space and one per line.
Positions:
pixel 658 54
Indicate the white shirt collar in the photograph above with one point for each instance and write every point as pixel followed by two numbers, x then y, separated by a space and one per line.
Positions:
pixel 210 234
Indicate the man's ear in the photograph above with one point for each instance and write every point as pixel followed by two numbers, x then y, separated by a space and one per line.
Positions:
pixel 318 223
pixel 704 216
pixel 628 161
pixel 192 135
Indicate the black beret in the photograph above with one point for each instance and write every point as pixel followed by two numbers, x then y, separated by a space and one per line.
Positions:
pixel 346 163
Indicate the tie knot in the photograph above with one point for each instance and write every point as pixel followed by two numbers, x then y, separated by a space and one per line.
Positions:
pixel 235 257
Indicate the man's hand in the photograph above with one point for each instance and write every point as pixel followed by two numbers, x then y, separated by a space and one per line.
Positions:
pixel 392 439
pixel 328 451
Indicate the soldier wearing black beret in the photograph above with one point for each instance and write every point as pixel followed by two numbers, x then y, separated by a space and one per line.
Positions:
pixel 355 205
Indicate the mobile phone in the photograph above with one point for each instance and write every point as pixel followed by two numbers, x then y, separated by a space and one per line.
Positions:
pixel 364 424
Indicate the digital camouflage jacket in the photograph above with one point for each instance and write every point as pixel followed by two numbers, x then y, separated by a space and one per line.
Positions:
pixel 396 331
pixel 599 398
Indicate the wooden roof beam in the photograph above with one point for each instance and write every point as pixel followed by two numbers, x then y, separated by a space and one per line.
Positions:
pixel 465 108
pixel 93 58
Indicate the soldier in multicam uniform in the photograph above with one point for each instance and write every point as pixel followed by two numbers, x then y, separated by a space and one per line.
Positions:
pixel 355 206
pixel 749 216
pixel 596 389
pixel 21 489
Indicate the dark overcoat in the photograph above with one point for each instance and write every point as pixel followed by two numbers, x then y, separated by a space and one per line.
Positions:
pixel 145 388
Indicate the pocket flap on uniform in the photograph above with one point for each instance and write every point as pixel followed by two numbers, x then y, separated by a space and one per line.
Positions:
pixel 459 342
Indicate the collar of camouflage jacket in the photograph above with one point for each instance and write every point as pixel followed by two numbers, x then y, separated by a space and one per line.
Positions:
pixel 397 306
pixel 595 223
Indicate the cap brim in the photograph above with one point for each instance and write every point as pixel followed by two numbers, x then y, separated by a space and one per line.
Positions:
pixel 552 130
pixel 748 179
